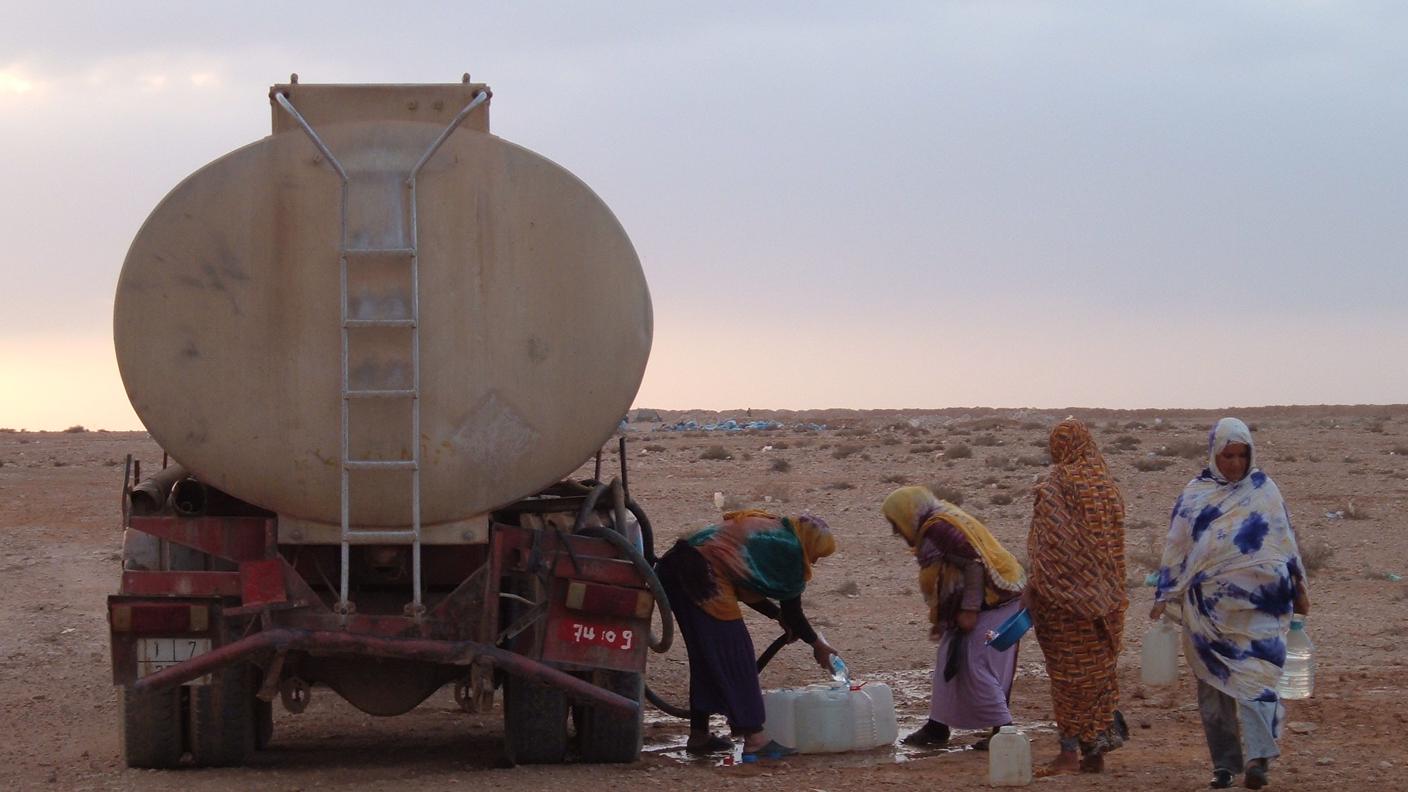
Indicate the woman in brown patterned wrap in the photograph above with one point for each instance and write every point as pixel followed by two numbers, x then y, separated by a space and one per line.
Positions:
pixel 1077 598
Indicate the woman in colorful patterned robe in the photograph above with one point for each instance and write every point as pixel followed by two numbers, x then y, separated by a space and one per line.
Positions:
pixel 972 585
pixel 751 557
pixel 1232 573
pixel 1076 596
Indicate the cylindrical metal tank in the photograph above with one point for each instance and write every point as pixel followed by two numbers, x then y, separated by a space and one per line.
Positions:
pixel 534 316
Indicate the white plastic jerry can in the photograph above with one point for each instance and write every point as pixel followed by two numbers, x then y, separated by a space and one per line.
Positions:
pixel 1009 758
pixel 779 713
pixel 873 716
pixel 824 720
pixel 1158 659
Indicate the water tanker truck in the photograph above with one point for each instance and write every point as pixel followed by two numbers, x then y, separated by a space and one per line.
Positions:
pixel 375 346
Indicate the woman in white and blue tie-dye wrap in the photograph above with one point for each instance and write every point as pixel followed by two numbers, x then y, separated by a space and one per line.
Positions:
pixel 1232 574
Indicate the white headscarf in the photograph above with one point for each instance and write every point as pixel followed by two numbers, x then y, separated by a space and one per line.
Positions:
pixel 1224 433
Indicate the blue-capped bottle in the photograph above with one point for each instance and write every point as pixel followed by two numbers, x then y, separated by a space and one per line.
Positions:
pixel 1298 675
pixel 839 673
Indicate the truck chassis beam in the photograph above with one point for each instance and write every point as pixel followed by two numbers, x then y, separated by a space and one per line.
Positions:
pixel 329 642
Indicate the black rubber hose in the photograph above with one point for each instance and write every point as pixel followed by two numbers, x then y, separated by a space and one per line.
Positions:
pixel 665 706
pixel 647 531
pixel 667 617
pixel 588 506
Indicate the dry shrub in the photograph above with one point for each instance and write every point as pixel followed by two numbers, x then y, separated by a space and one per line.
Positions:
pixel 733 503
pixel 848 589
pixel 655 448
pixel 1400 450
pixel 1032 460
pixel 1124 442
pixel 1352 511
pixel 1001 499
pixel 894 478
pixel 988 481
pixel 802 442
pixel 779 465
pixel 958 451
pixel 845 450
pixel 715 452
pixel 987 439
pixel 1148 464
pixel 889 440
pixel 851 431
pixel 780 445
pixel 7 430
pixel 1376 427
pixel 839 485
pixel 999 462
pixel 1315 554
pixel 947 492
pixel 1186 448
pixel 75 429
pixel 925 449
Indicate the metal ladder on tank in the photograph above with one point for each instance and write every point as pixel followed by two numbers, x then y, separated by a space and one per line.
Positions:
pixel 409 255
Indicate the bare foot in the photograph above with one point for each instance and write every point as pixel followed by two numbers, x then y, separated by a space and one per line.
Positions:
pixel 1065 763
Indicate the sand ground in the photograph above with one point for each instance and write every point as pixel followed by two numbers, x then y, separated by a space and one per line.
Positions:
pixel 1344 471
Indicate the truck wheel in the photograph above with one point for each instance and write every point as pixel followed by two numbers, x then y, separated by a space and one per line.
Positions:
pixel 535 722
pixel 150 727
pixel 223 718
pixel 263 723
pixel 604 736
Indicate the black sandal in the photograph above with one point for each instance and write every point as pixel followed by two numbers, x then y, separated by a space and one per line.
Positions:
pixel 1256 776
pixel 710 744
pixel 931 735
pixel 1221 779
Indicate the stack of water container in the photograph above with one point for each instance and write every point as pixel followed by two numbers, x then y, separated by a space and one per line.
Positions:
pixel 840 716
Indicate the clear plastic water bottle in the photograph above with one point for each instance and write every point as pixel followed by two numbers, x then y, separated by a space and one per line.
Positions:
pixel 1298 675
pixel 839 673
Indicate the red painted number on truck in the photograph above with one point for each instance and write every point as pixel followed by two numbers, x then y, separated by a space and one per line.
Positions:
pixel 611 637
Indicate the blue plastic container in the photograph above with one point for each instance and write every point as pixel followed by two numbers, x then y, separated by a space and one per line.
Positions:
pixel 1006 635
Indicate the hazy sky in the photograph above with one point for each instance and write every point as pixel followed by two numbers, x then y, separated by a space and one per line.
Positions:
pixel 837 205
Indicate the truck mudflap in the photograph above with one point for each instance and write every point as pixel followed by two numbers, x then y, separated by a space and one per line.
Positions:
pixel 285 639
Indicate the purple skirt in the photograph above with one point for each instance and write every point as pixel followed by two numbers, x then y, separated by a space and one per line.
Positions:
pixel 723 674
pixel 977 696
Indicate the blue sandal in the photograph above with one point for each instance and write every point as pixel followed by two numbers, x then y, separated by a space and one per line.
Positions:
pixel 773 750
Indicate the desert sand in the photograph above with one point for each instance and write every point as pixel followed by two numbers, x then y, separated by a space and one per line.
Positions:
pixel 1344 471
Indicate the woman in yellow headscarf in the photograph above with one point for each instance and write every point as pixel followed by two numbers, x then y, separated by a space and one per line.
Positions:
pixel 972 585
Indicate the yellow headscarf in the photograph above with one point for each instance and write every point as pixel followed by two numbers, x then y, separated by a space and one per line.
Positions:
pixel 912 510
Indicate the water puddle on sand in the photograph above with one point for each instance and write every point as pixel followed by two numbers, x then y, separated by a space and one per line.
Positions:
pixel 666 735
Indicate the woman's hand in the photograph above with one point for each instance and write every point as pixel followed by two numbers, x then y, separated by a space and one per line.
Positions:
pixel 822 651
pixel 967 620
pixel 1302 601
pixel 1158 610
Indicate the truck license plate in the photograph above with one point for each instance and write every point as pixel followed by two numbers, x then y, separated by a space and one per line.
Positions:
pixel 154 654
pixel 576 632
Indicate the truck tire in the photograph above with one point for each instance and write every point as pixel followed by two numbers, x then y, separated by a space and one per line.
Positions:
pixel 535 722
pixel 150 728
pixel 604 736
pixel 223 718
